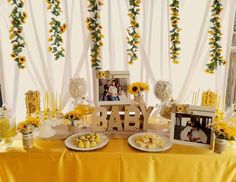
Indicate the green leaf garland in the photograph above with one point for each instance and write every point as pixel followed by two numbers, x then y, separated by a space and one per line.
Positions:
pixel 215 33
pixel 133 37
pixel 56 29
pixel 174 32
pixel 18 18
pixel 95 29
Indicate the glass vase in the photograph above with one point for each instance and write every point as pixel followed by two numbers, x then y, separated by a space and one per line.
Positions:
pixel 220 145
pixel 27 140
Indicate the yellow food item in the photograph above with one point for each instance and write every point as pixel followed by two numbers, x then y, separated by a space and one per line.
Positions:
pixel 149 141
pixel 87 140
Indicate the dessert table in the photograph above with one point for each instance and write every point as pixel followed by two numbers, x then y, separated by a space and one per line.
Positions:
pixel 50 160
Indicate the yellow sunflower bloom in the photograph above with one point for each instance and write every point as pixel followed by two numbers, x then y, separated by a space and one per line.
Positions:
pixel 49 49
pixel 22 59
pixel 11 36
pixel 175 61
pixel 25 14
pixel 13 55
pixel 134 88
pixel 50 39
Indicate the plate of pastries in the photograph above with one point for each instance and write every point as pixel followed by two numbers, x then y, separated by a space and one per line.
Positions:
pixel 86 141
pixel 149 142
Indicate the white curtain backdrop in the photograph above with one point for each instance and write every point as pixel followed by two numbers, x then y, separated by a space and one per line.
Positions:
pixel 44 73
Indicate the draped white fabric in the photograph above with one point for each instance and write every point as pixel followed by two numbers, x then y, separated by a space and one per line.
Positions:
pixel 44 73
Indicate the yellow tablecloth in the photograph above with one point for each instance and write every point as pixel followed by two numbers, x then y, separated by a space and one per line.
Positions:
pixel 51 161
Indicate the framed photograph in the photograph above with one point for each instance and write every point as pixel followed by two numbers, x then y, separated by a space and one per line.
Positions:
pixel 111 88
pixel 192 127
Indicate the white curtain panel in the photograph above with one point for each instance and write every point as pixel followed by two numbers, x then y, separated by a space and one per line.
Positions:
pixel 43 73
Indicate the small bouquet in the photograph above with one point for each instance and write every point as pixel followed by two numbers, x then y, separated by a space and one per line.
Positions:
pixel 224 130
pixel 73 117
pixel 27 126
pixel 137 88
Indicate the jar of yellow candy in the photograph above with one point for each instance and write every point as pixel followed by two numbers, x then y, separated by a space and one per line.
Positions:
pixel 7 126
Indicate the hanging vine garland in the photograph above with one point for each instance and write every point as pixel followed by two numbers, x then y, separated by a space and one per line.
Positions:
pixel 18 18
pixel 95 29
pixel 133 37
pixel 56 29
pixel 215 33
pixel 174 32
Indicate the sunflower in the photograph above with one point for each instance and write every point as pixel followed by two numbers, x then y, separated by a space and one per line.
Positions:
pixel 103 74
pixel 13 55
pixel 64 26
pixel 144 86
pixel 50 39
pixel 133 23
pixel 49 49
pixel 24 14
pixel 87 20
pixel 134 88
pixel 11 36
pixel 49 6
pixel 21 59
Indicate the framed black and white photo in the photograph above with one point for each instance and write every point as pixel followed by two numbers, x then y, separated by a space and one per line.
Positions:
pixel 192 127
pixel 111 88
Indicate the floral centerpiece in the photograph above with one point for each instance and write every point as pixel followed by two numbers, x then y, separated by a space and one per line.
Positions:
pixel 72 119
pixel 77 117
pixel 223 131
pixel 137 89
pixel 26 128
pixel 73 115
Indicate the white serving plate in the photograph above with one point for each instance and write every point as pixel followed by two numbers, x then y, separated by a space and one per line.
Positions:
pixel 166 146
pixel 69 143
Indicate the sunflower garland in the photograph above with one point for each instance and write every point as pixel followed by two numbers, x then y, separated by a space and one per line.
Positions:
pixel 174 32
pixel 133 37
pixel 215 33
pixel 95 29
pixel 56 29
pixel 18 17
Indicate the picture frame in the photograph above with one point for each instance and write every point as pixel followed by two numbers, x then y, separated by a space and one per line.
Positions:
pixel 192 126
pixel 111 88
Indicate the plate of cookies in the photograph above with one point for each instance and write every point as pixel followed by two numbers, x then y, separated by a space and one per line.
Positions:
pixel 86 141
pixel 149 142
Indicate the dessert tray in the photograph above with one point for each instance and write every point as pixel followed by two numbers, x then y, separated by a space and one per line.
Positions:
pixel 86 141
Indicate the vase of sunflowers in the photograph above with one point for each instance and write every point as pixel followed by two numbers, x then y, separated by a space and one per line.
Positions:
pixel 26 128
pixel 223 131
pixel 137 89
pixel 73 118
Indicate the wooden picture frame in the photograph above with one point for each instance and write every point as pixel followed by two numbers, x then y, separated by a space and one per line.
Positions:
pixel 105 95
pixel 191 127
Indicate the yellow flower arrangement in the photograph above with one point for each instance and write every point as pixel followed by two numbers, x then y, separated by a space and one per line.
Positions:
pixel 133 37
pixel 224 130
pixel 137 88
pixel 26 126
pixel 34 121
pixel 17 18
pixel 56 29
pixel 73 115
pixel 95 29
pixel 174 33
pixel 215 33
